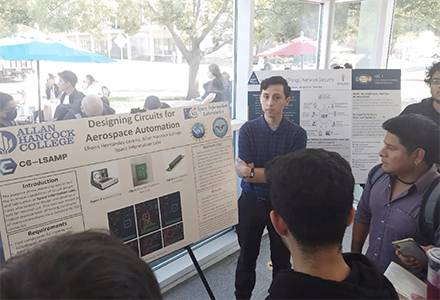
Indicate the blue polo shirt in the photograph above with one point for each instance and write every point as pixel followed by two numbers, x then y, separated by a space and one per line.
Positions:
pixel 258 144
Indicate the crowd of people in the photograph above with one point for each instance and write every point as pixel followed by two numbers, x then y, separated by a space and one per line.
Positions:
pixel 70 99
pixel 304 197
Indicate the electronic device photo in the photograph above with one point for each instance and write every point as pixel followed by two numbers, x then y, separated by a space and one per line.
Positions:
pixel 122 223
pixel 175 162
pixel 101 180
pixel 409 247
pixel 142 170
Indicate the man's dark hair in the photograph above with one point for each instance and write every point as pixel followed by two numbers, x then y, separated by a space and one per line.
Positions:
pixel 5 99
pixel 152 102
pixel 430 72
pixel 416 131
pixel 276 80
pixel 86 265
pixel 69 76
pixel 312 190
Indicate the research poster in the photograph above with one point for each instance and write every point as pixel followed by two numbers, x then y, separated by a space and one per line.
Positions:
pixel 341 110
pixel 160 180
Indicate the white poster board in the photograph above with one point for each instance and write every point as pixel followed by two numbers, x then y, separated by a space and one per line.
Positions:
pixel 341 110
pixel 160 180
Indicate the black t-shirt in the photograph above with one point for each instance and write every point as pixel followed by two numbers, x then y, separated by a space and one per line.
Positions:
pixel 424 108
pixel 216 86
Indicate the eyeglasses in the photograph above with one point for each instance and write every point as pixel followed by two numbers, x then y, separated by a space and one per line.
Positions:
pixel 435 81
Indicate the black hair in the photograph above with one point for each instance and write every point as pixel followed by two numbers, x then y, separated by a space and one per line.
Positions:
pixel 86 265
pixel 312 191
pixel 435 67
pixel 276 80
pixel 5 99
pixel 69 76
pixel 416 131
pixel 90 78
pixel 152 102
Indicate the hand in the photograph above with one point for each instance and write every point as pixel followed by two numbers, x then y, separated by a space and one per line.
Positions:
pixel 242 169
pixel 417 297
pixel 412 262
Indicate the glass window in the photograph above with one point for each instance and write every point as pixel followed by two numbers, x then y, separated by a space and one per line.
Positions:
pixel 162 47
pixel 345 34
pixel 286 34
pixel 415 45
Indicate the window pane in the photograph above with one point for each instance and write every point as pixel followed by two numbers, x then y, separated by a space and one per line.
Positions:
pixel 286 32
pixel 162 47
pixel 415 45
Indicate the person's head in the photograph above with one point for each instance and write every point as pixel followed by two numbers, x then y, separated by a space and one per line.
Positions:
pixel 92 106
pixel 265 59
pixel 432 79
pixel 88 80
pixel 214 71
pixel 86 265
pixel 312 195
pixel 152 102
pixel 50 79
pixel 226 76
pixel 275 93
pixel 67 81
pixel 411 142
pixel 8 107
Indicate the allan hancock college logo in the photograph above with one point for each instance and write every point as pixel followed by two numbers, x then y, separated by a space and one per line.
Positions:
pixel 8 143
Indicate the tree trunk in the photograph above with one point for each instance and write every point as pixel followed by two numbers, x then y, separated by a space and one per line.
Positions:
pixel 193 79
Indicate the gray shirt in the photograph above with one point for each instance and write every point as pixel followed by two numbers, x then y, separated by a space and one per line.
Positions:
pixel 393 220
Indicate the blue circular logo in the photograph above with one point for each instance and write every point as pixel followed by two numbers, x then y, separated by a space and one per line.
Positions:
pixel 220 127
pixel 198 131
pixel 8 142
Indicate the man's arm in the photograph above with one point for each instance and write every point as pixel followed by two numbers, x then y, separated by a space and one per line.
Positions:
pixel 360 233
pixel 361 226
pixel 243 170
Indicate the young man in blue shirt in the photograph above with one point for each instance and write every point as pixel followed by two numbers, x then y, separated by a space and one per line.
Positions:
pixel 261 140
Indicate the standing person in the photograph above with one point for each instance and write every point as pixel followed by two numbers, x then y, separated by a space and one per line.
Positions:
pixel 214 89
pixel 260 141
pixel 91 86
pixel 390 207
pixel 311 215
pixel 429 107
pixel 8 111
pixel 67 83
pixel 52 90
pixel 266 65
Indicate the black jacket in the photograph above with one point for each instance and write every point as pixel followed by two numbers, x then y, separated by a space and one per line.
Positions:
pixel 55 88
pixel 73 111
pixel 364 282
pixel 75 96
pixel 424 108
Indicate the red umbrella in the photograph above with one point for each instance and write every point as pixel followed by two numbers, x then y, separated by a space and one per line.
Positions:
pixel 291 48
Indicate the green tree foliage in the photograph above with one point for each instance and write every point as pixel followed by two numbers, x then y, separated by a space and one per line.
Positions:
pixel 190 22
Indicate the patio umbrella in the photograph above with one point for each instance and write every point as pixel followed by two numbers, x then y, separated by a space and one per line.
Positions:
pixel 299 46
pixel 37 46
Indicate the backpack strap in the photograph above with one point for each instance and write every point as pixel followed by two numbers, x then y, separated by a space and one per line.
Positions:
pixel 376 173
pixel 429 216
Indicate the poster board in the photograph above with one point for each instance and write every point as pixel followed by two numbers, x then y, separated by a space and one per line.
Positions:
pixel 160 180
pixel 341 110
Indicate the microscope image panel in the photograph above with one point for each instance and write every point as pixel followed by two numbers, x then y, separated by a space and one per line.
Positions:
pixel 133 245
pixel 147 216
pixel 122 223
pixel 173 234
pixel 151 243
pixel 170 209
